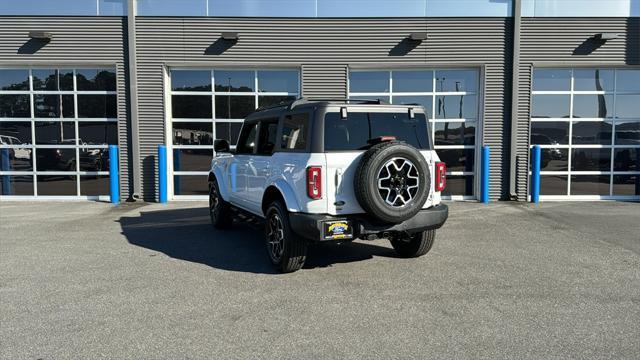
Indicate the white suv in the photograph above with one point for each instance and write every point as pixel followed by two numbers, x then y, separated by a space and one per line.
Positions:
pixel 333 170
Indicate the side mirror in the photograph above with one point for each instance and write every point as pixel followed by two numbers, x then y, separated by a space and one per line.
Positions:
pixel 221 145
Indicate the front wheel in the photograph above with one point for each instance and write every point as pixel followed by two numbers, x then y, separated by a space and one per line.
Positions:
pixel 414 245
pixel 286 250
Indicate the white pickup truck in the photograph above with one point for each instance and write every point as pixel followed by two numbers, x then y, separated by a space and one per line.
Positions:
pixel 332 170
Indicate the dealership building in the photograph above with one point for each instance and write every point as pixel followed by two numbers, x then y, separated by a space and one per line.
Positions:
pixel 79 75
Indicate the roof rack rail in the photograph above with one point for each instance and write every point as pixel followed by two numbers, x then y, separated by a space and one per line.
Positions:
pixel 274 106
pixel 301 101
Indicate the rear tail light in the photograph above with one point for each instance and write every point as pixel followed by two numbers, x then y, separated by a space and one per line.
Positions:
pixel 441 177
pixel 314 182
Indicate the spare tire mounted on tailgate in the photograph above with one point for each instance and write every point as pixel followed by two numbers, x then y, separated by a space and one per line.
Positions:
pixel 392 181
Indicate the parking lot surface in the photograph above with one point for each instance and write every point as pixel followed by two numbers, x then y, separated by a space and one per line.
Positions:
pixel 90 280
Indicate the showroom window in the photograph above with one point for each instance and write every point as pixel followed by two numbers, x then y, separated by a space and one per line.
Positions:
pixel 55 128
pixel 212 104
pixel 587 122
pixel 450 98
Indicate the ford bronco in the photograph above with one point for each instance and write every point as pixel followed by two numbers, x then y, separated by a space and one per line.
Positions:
pixel 332 170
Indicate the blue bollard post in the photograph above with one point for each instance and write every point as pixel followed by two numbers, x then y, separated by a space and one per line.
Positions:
pixel 535 174
pixel 484 183
pixel 114 183
pixel 6 166
pixel 162 174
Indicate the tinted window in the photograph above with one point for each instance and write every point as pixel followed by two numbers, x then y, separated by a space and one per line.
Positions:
pixel 15 132
pixel 268 137
pixel 628 81
pixel 97 106
pixel 550 106
pixel 590 132
pixel 234 107
pixel 551 80
pixel 549 133
pixel 369 81
pixel 228 131
pixel 354 132
pixel 456 107
pixel 234 81
pixel 294 132
pixel 14 79
pixel 278 81
pixel 191 107
pixel 426 101
pixel 593 80
pixel 15 106
pixel 412 81
pixel 247 141
pixel 193 133
pixel 190 80
pixel 592 106
pixel 456 80
pixel 96 79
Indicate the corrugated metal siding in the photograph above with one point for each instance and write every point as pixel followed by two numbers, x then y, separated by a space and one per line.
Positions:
pixel 325 81
pixel 563 41
pixel 323 48
pixel 75 41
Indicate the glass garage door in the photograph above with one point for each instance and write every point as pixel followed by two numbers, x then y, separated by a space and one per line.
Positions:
pixel 450 98
pixel 211 104
pixel 55 128
pixel 587 122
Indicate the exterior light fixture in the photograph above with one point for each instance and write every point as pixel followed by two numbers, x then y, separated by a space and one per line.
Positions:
pixel 418 36
pixel 230 36
pixel 606 36
pixel 40 35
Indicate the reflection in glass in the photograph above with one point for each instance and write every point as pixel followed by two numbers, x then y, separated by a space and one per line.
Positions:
pixel 626 185
pixel 457 159
pixel 96 79
pixel 15 106
pixel 412 81
pixel 16 159
pixel 52 79
pixel 590 184
pixel 228 131
pixel 55 132
pixel 591 160
pixel 192 133
pixel 628 106
pixel 469 8
pixel 271 8
pixel 456 107
pixel 369 81
pixel 94 185
pixel 16 185
pixel 592 106
pixel 264 101
pixel 456 80
pixel 628 80
pixel 14 79
pixel 384 99
pixel 549 133
pixel 234 107
pixel 172 7
pixel 57 184
pixel 191 107
pixel 454 133
pixel 426 102
pixel 191 80
pixel 48 7
pixel 628 133
pixel 98 133
pixel 593 80
pixel 550 106
pixel 53 106
pixel 592 132
pixel 15 132
pixel 578 8
pixel 553 184
pixel 554 159
pixel 551 80
pixel 192 159
pixel 234 80
pixel 112 7
pixel 370 8
pixel 459 185
pixel 94 159
pixel 52 159
pixel 97 106
pixel 190 185
pixel 278 81
pixel 626 159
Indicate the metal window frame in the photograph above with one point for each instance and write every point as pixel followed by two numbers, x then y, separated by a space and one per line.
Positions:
pixel 75 120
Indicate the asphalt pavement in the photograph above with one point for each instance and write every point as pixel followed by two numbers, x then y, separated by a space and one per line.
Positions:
pixel 151 281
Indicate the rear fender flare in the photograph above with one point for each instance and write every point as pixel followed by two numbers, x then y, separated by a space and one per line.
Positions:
pixel 291 202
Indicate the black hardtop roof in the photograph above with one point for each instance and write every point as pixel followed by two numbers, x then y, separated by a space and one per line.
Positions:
pixel 276 110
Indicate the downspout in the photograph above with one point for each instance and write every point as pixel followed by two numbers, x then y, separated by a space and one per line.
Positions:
pixel 133 99
pixel 515 82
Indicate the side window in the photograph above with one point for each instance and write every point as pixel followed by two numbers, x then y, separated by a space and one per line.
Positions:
pixel 247 140
pixel 294 132
pixel 267 138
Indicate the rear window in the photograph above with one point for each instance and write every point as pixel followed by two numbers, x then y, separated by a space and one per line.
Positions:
pixel 354 132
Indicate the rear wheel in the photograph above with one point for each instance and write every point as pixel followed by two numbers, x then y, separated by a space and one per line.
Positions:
pixel 286 250
pixel 413 245
pixel 219 210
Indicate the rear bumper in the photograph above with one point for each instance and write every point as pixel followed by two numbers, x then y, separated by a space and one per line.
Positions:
pixel 311 226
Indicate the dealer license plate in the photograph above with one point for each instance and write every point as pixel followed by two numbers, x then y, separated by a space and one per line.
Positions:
pixel 337 230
